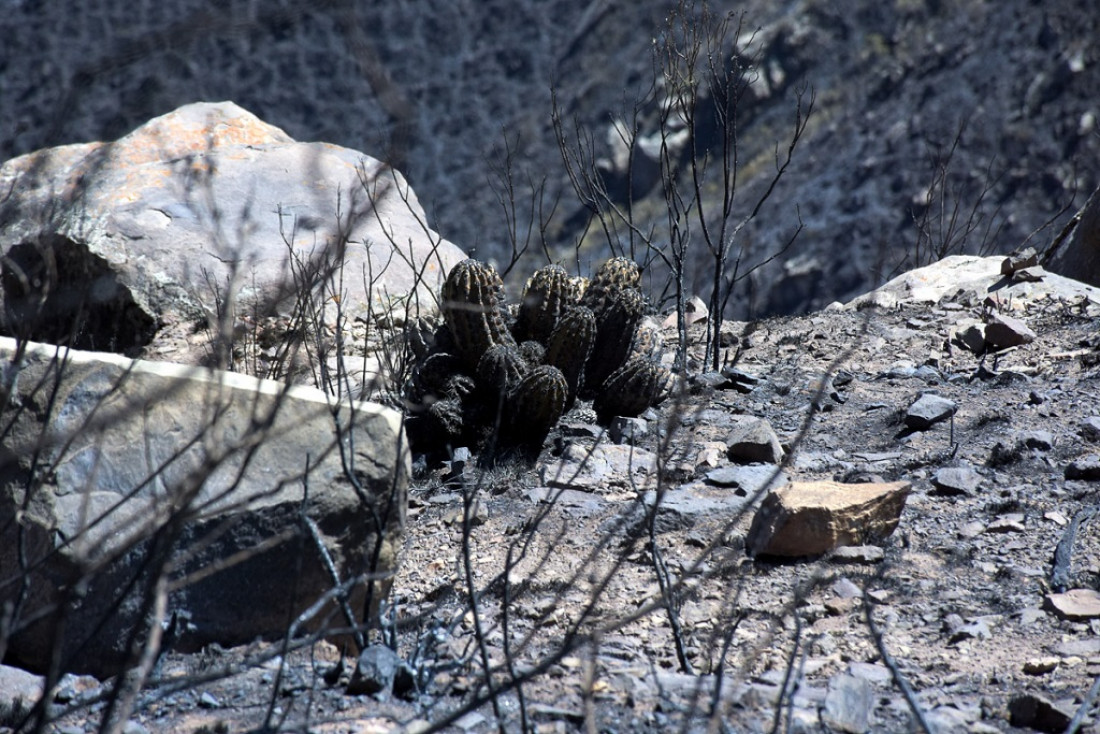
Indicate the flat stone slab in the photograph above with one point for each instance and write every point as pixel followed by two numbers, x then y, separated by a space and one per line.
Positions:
pixel 811 518
pixel 1075 604
pixel 602 467
pixel 116 472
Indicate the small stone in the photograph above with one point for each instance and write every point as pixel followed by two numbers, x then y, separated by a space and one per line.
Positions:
pixel 1087 469
pixel 1078 647
pixel 754 440
pixel 1035 711
pixel 848 704
pixel 1003 332
pixel 1090 428
pixel 956 480
pixel 840 607
pixel 208 700
pixel 1075 604
pixel 928 410
pixel 375 671
pixel 1041 666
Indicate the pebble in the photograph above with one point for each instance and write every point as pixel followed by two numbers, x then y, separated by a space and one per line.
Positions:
pixel 1010 523
pixel 846 589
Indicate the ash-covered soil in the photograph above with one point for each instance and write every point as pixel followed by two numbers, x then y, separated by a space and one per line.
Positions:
pixel 597 613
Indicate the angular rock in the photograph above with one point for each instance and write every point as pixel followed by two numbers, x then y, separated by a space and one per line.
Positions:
pixel 1074 604
pixel 1030 710
pixel 928 410
pixel 114 468
pixel 971 336
pixel 754 440
pixel 1025 258
pixel 956 480
pixel 1087 469
pixel 19 692
pixel 1003 332
pixel 810 518
pixel 627 430
pixel 375 671
pixel 204 202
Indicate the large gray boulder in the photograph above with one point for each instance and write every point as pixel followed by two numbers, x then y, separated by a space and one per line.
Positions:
pixel 198 210
pixel 226 496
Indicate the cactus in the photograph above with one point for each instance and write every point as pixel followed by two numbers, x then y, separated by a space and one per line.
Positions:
pixel 471 303
pixel 546 297
pixel 474 376
pixel 537 403
pixel 570 346
pixel 615 327
pixel 631 389
pixel 613 277
pixel 500 370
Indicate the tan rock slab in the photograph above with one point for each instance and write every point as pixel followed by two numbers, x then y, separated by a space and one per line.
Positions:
pixel 810 518
pixel 1075 604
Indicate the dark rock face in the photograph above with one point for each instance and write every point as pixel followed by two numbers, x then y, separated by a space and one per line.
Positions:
pixel 429 87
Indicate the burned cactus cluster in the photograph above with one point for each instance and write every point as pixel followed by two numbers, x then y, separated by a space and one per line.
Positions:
pixel 499 379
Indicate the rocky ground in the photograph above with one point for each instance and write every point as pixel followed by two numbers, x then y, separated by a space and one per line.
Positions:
pixel 955 610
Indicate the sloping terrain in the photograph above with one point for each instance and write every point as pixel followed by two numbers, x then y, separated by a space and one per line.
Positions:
pixel 592 610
